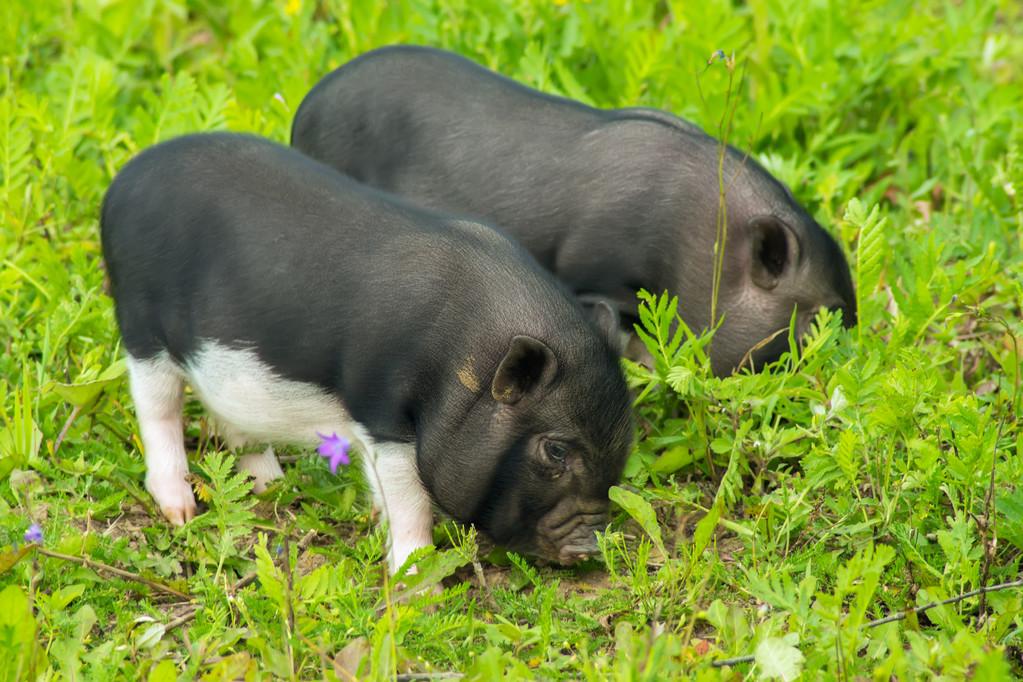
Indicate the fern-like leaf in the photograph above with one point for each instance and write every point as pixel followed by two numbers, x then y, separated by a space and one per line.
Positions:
pixel 869 252
pixel 642 59
pixel 172 112
pixel 15 152
pixel 215 99
pixel 776 589
pixel 847 456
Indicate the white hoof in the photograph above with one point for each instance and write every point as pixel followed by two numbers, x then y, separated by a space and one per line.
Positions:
pixel 174 495
pixel 263 467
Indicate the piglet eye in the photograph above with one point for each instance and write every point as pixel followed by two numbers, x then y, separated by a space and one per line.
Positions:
pixel 555 451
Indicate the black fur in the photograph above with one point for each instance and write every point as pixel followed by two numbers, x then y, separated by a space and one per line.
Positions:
pixel 609 200
pixel 235 239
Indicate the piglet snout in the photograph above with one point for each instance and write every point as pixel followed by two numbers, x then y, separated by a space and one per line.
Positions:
pixel 568 533
pixel 582 548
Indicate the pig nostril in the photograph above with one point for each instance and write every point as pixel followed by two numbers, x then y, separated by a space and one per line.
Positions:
pixel 574 555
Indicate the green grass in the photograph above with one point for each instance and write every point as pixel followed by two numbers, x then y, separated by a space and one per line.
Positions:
pixel 772 515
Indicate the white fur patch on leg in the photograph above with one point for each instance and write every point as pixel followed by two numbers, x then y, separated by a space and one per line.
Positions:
pixel 262 466
pixel 157 388
pixel 250 403
pixel 402 499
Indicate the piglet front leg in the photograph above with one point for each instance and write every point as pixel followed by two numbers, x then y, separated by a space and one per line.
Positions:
pixel 400 496
pixel 157 389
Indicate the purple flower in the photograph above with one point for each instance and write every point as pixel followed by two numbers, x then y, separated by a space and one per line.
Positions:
pixel 335 448
pixel 34 534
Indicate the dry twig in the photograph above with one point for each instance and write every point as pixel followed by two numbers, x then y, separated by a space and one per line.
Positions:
pixel 182 619
pixel 100 566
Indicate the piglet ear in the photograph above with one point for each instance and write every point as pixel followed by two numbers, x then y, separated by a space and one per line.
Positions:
pixel 608 322
pixel 606 318
pixel 775 250
pixel 527 368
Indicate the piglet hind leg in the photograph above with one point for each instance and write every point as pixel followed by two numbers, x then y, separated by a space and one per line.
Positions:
pixel 263 467
pixel 157 389
pixel 400 496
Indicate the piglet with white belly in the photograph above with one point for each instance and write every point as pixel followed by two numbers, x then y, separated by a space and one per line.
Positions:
pixel 296 301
